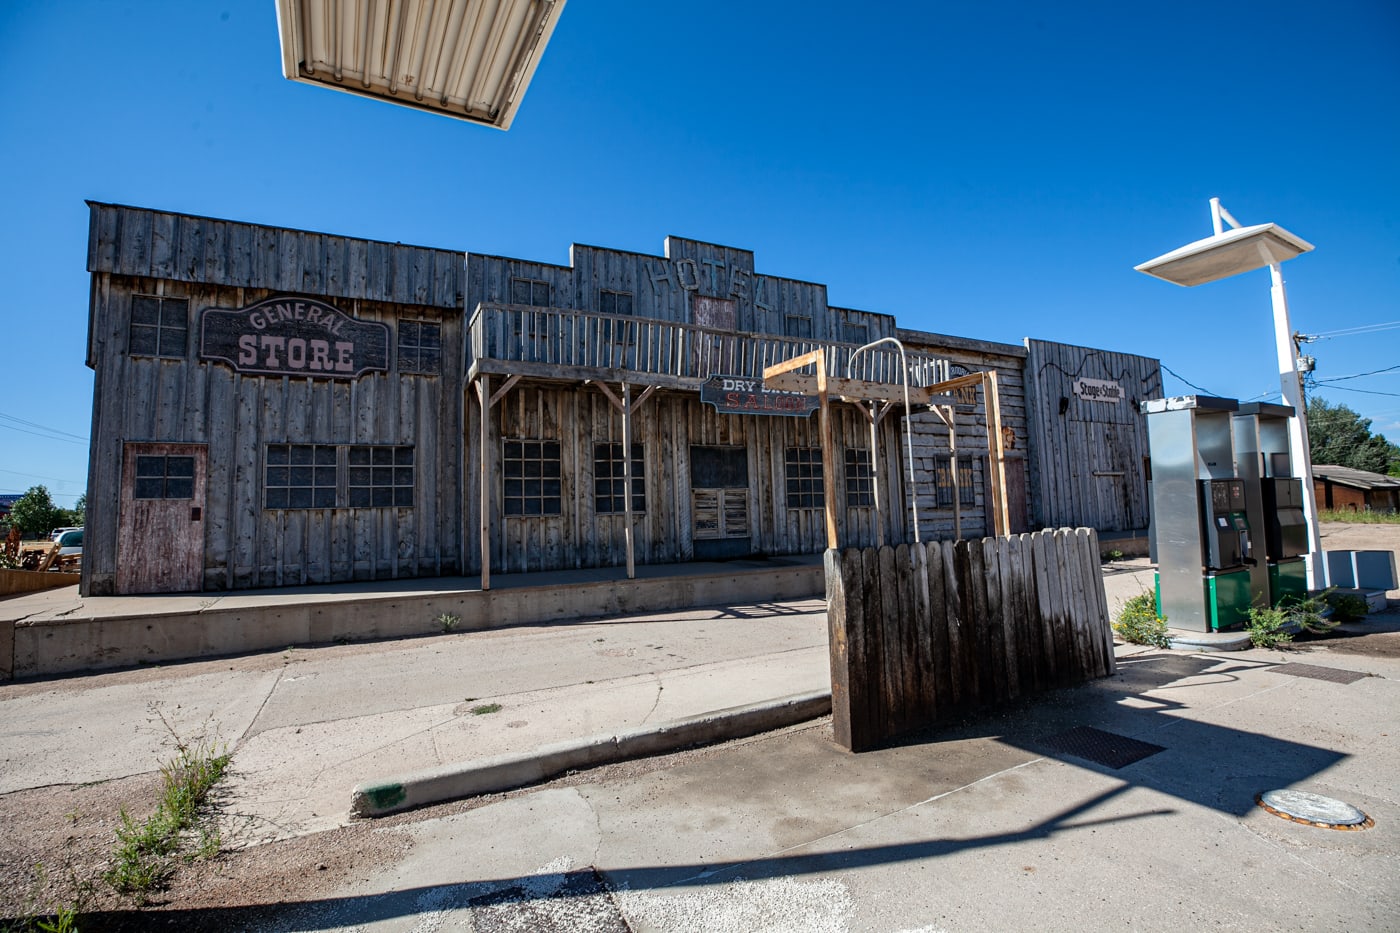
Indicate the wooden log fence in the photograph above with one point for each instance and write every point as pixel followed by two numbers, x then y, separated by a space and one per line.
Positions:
pixel 922 633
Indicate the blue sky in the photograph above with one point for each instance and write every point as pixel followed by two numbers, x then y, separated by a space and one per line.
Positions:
pixel 990 170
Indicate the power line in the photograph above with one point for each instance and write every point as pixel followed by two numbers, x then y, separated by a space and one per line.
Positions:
pixel 53 434
pixel 55 479
pixel 1352 331
pixel 1185 380
pixel 1359 375
pixel 1364 391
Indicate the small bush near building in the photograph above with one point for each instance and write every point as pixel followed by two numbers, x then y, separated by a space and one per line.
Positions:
pixel 1274 627
pixel 1347 607
pixel 1139 623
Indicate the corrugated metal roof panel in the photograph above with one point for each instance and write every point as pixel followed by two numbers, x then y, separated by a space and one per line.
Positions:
pixel 469 59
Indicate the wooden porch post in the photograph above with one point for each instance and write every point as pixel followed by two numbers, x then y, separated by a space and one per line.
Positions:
pixel 483 393
pixel 627 475
pixel 997 451
pixel 828 457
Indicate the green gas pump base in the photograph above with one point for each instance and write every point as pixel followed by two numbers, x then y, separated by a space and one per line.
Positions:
pixel 1288 578
pixel 1225 596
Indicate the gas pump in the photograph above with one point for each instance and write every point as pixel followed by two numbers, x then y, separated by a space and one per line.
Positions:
pixel 1262 459
pixel 1201 530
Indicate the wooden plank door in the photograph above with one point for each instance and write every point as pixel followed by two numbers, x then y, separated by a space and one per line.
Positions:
pixel 719 503
pixel 160 530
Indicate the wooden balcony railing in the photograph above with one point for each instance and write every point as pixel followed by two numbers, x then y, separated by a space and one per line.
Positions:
pixel 570 345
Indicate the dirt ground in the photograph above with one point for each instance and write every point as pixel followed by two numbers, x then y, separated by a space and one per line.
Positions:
pixel 58 840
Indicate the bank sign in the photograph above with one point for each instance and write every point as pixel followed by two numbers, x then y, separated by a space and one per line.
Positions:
pixel 738 395
pixel 293 336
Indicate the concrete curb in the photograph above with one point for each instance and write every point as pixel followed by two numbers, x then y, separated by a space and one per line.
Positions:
pixel 1210 641
pixel 507 772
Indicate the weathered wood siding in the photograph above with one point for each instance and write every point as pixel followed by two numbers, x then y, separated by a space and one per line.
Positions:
pixel 931 434
pixel 1089 462
pixel 924 633
pixel 664 287
pixel 187 400
pixel 667 425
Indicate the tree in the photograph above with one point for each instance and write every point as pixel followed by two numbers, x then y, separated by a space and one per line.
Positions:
pixel 35 514
pixel 1339 436
pixel 79 510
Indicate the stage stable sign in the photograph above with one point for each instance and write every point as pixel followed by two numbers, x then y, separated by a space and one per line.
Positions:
pixel 736 395
pixel 290 336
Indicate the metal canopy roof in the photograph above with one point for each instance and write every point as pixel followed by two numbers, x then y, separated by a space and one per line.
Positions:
pixel 469 59
pixel 1226 254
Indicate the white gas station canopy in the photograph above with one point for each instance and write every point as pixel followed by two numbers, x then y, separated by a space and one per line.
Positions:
pixel 1232 252
pixel 469 59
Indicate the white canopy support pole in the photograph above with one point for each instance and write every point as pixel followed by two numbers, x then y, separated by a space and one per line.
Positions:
pixel 996 449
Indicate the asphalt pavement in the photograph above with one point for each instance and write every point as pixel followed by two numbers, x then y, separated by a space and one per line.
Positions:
pixel 1010 821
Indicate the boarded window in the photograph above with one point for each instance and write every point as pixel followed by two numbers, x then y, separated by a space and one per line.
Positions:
pixel 610 302
pixel 159 326
pixel 720 513
pixel 855 333
pixel 529 292
pixel 610 483
pixel 380 476
pixel 164 477
pixel 860 479
pixel 804 478
pixel 420 347
pixel 531 475
pixel 300 476
pixel 943 482
pixel 799 325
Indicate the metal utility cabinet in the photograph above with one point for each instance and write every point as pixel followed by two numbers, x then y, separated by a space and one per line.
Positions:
pixel 1201 529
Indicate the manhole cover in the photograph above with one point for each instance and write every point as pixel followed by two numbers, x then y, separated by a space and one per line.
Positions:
pixel 1313 810
pixel 1103 748
pixel 1317 672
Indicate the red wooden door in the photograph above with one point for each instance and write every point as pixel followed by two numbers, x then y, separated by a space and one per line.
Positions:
pixel 160 531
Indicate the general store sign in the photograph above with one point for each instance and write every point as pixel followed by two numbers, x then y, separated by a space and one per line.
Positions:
pixel 1098 390
pixel 293 336
pixel 739 395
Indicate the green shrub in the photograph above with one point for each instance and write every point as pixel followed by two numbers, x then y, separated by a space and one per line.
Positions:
pixel 1139 624
pixel 1268 628
pixel 1347 607
pixel 1274 627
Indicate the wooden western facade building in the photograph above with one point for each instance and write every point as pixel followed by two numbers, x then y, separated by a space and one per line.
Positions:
pixel 274 407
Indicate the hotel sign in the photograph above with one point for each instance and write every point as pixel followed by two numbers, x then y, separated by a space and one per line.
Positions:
pixel 738 395
pixel 292 336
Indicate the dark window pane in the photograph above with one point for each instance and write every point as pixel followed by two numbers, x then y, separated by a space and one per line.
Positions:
pixel 149 488
pixel 325 476
pixel 145 310
pixel 514 450
pixel 299 498
pixel 359 497
pixel 383 456
pixel 514 487
pixel 408 334
pixel 179 466
pixel 150 466
pixel 550 450
pixel 277 498
pixel 325 498
pixel 179 489
pixel 325 455
pixel 403 497
pixel 276 453
pixel 532 487
pixel 539 294
pixel 514 507
pixel 303 476
pixel 174 312
pixel 381 496
pixel 359 456
pixel 601 486
pixel 276 476
pixel 359 476
pixel 430 337
pixel 430 360
pixel 532 506
pixel 532 468
pixel 551 487
pixel 552 507
pixel 143 340
pixel 519 291
pixel 172 342
pixel 403 476
pixel 302 453
pixel 403 456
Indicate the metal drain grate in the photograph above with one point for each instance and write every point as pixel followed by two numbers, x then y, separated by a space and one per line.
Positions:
pixel 1316 672
pixel 1102 748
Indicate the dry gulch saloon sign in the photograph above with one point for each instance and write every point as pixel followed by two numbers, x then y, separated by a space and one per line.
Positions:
pixel 293 336
pixel 737 395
